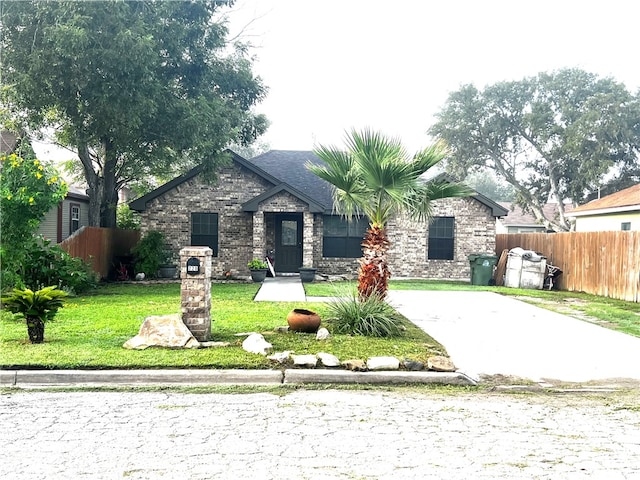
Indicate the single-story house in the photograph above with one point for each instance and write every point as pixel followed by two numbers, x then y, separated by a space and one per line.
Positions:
pixel 273 203
pixel 618 211
pixel 519 221
pixel 62 221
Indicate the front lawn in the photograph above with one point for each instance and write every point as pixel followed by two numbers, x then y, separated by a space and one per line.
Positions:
pixel 90 330
pixel 607 312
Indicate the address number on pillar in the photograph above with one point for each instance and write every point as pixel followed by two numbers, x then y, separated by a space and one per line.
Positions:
pixel 193 266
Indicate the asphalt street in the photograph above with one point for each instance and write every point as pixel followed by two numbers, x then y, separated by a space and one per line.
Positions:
pixel 324 434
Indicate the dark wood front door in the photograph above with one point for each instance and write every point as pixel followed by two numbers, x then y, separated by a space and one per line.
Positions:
pixel 288 254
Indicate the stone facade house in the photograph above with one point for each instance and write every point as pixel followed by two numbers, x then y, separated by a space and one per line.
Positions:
pixel 272 203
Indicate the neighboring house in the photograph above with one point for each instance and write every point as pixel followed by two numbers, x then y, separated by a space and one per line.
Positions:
pixel 63 220
pixel 272 202
pixel 70 214
pixel 519 221
pixel 618 211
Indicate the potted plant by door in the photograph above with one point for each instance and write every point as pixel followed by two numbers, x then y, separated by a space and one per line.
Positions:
pixel 307 274
pixel 258 270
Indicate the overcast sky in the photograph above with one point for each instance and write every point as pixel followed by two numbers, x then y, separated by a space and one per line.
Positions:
pixel 332 65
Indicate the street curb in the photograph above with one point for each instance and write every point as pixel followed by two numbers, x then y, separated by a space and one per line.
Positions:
pixel 292 376
pixel 79 378
pixel 138 377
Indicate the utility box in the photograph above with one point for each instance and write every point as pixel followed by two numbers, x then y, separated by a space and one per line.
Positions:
pixel 482 268
pixel 525 269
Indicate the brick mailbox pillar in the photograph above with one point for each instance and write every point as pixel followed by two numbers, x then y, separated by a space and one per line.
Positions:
pixel 195 292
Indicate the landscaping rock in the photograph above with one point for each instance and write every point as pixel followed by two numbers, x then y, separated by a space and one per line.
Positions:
pixel 440 364
pixel 355 365
pixel 328 360
pixel 309 361
pixel 413 365
pixel 255 343
pixel 283 329
pixel 322 334
pixel 168 331
pixel 281 357
pixel 383 363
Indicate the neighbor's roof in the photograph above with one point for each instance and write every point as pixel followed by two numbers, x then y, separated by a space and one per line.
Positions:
pixel 622 201
pixel 518 217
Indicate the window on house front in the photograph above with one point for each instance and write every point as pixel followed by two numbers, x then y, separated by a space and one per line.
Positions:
pixel 625 226
pixel 441 237
pixel 204 231
pixel 343 238
pixel 74 223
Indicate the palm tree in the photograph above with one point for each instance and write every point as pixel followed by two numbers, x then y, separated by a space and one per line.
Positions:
pixel 376 177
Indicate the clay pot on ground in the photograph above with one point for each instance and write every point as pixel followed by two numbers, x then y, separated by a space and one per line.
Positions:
pixel 302 320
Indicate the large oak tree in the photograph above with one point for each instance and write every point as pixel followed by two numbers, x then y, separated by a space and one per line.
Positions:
pixel 136 88
pixel 555 137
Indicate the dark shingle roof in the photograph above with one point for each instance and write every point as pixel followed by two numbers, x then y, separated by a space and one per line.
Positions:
pixel 289 166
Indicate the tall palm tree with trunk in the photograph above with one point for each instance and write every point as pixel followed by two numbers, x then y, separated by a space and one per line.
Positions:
pixel 376 177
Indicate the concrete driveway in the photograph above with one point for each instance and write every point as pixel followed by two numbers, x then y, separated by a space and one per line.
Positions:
pixel 490 334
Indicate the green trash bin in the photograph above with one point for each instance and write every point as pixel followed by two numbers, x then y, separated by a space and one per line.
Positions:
pixel 482 268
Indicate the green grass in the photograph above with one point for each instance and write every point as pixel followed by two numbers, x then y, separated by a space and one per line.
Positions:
pixel 615 314
pixel 90 330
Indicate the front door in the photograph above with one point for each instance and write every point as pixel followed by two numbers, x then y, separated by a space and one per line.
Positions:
pixel 288 254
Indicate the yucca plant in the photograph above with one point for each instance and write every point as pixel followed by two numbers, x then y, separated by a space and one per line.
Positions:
pixel 369 316
pixel 36 307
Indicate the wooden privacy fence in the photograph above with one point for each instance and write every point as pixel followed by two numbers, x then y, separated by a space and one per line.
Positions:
pixel 601 263
pixel 101 246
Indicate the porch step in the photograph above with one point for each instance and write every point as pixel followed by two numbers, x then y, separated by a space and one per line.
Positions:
pixel 281 289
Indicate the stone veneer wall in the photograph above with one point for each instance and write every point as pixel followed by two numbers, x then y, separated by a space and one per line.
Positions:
pixel 171 214
pixel 474 233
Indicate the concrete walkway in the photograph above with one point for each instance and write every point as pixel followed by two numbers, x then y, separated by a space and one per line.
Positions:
pixel 281 289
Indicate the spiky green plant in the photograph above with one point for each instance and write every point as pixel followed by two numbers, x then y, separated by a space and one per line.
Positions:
pixel 369 316
pixel 36 307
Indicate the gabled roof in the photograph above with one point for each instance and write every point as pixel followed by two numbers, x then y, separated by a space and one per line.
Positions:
pixel 622 201
pixel 290 167
pixel 287 171
pixel 253 204
pixel 140 204
pixel 518 217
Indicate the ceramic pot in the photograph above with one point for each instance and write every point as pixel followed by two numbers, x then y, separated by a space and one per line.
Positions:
pixel 259 275
pixel 307 274
pixel 301 320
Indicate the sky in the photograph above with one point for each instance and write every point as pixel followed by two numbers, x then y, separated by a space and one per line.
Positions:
pixel 334 65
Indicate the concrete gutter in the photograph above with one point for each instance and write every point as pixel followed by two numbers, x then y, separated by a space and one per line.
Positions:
pixel 124 378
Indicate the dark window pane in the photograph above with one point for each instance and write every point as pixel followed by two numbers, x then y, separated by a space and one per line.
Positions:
pixel 204 231
pixel 343 238
pixel 441 238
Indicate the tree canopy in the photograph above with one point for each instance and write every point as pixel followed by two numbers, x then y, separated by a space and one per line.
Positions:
pixel 555 137
pixel 136 88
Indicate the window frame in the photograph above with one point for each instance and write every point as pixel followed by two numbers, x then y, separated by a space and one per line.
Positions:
pixel 343 245
pixel 72 207
pixel 625 226
pixel 441 239
pixel 213 239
